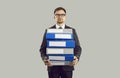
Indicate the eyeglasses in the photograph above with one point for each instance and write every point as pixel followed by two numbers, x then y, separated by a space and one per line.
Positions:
pixel 60 15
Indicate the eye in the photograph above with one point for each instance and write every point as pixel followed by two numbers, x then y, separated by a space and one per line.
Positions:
pixel 60 14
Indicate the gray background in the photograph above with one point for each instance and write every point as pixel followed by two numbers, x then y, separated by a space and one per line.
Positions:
pixel 22 25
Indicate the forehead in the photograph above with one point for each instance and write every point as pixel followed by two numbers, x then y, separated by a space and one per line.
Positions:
pixel 60 11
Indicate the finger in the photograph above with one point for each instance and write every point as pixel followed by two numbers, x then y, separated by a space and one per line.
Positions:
pixel 75 57
pixel 46 63
pixel 73 61
pixel 72 64
pixel 49 63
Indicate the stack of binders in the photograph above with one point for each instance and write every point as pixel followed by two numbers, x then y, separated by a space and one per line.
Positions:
pixel 60 46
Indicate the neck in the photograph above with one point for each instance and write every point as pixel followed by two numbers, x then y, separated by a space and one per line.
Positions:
pixel 60 24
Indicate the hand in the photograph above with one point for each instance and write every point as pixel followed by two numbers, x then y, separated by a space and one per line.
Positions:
pixel 47 62
pixel 74 62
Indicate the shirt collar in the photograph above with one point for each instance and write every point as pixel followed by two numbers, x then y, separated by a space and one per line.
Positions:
pixel 57 26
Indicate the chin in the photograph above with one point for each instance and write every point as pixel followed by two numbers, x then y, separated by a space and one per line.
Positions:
pixel 60 22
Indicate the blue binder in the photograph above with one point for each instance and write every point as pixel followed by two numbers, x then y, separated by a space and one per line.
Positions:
pixel 59 36
pixel 58 57
pixel 60 43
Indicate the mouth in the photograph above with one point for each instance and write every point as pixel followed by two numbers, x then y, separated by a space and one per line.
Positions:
pixel 60 20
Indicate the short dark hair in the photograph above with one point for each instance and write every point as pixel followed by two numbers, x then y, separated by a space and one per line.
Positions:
pixel 59 8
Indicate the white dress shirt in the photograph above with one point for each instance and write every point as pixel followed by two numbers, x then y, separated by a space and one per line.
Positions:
pixel 57 26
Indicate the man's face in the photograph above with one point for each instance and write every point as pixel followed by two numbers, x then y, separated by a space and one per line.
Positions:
pixel 60 16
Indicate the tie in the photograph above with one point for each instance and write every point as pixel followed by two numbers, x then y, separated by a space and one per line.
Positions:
pixel 60 27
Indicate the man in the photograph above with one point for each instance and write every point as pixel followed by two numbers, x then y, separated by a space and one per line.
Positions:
pixel 67 70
